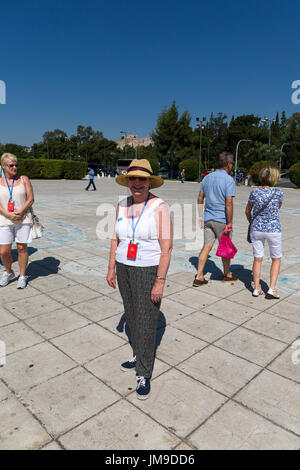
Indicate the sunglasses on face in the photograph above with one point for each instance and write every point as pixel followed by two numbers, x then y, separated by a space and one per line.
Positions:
pixel 139 178
pixel 11 165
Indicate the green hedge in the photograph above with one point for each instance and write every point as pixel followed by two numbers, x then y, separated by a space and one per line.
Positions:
pixel 294 174
pixel 52 169
pixel 255 169
pixel 191 169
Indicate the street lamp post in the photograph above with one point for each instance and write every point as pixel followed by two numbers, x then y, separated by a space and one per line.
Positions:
pixel 200 126
pixel 280 158
pixel 236 155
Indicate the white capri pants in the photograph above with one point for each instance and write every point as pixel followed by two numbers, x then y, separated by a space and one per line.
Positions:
pixel 20 233
pixel 258 243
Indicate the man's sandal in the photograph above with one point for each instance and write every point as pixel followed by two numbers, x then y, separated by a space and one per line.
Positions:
pixel 198 283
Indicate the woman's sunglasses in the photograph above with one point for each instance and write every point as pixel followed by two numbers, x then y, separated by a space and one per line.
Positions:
pixel 11 165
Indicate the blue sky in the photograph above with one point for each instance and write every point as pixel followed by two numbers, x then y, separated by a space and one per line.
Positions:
pixel 115 65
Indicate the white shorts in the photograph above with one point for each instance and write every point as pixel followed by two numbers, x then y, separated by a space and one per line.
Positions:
pixel 258 243
pixel 21 233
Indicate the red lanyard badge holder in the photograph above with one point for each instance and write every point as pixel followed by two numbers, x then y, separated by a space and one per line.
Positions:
pixel 11 204
pixel 133 247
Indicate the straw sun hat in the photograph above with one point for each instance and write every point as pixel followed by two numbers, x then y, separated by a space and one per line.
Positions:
pixel 143 169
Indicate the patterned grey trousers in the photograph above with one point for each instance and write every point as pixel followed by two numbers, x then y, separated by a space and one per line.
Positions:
pixel 135 284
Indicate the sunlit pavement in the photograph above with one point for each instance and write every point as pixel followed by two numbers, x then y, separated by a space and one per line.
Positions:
pixel 227 368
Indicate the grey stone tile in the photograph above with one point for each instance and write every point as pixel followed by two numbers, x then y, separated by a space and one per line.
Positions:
pixel 6 318
pixel 251 346
pixel 294 298
pixel 204 326
pixel 173 310
pixel 173 396
pixel 115 295
pixel 52 446
pixel 176 346
pixel 11 293
pixel 275 327
pixel 4 390
pixel 288 364
pixel 234 427
pixel 231 312
pixel 220 370
pixel 194 298
pixel 99 309
pixel 19 430
pixel 286 310
pixel 65 401
pixel 120 427
pixel 57 323
pixel 33 306
pixel 107 368
pixel 245 297
pixel 73 295
pixel 172 287
pixel 274 397
pixel 18 336
pixel 182 447
pixel 51 283
pixel 27 368
pixel 87 343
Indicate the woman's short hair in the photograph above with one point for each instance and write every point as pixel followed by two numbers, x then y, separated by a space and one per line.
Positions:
pixel 269 176
pixel 6 157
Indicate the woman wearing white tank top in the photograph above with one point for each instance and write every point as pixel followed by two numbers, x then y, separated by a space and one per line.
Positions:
pixel 16 197
pixel 139 258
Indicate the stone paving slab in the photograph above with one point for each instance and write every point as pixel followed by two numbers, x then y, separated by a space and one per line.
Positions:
pixel 58 409
pixel 226 373
pixel 19 430
pixel 236 428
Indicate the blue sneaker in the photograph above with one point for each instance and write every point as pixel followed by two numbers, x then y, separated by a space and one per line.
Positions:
pixel 129 365
pixel 143 388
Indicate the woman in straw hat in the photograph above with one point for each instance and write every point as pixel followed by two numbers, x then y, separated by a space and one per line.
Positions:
pixel 139 257
pixel 16 197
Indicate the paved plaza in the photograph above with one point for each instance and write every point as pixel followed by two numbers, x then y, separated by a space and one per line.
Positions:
pixel 226 373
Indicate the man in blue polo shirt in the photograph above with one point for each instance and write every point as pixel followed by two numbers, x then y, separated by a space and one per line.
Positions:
pixel 91 174
pixel 218 190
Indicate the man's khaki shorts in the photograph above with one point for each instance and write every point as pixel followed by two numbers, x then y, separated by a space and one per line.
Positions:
pixel 213 230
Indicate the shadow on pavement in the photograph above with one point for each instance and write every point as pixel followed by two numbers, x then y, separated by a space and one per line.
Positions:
pixel 44 267
pixel 244 274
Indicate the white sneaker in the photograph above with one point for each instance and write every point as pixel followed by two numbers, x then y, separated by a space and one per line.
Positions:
pixel 6 278
pixel 273 293
pixel 22 282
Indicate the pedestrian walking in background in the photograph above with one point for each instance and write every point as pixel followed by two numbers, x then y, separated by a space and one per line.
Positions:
pixel 139 257
pixel 262 212
pixel 218 190
pixel 182 174
pixel 91 174
pixel 16 198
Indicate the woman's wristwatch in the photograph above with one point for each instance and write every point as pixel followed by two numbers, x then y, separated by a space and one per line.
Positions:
pixel 161 278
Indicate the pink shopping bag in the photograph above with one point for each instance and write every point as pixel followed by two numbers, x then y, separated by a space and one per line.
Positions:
pixel 226 248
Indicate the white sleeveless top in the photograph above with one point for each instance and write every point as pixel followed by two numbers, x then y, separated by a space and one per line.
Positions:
pixel 149 251
pixel 19 197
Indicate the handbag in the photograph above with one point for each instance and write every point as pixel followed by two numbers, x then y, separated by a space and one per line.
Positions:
pixel 257 214
pixel 37 226
pixel 226 248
